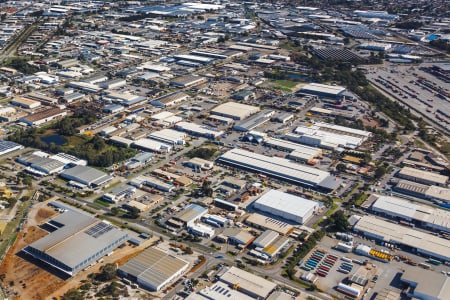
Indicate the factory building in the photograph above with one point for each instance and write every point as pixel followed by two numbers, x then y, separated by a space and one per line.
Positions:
pixel 169 136
pixel 264 222
pixel 25 102
pixel 152 145
pixel 43 116
pixel 153 269
pixel 298 152
pixel 286 206
pixel 170 99
pixel 424 177
pixel 254 121
pixel 188 81
pixel 87 176
pixel 235 111
pixel 218 291
pixel 77 241
pixel 428 192
pixel 426 284
pixel 198 130
pixel 280 168
pixel 7 147
pixel 323 90
pixel 248 283
pixel 188 216
pixel 414 212
pixel 424 243
pixel 329 136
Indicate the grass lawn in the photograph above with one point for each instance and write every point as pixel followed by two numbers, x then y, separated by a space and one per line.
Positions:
pixel 102 202
pixel 285 85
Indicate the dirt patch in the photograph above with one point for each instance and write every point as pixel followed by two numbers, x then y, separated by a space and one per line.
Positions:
pixel 44 214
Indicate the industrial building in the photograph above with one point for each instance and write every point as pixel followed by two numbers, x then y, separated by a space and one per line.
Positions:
pixel 199 163
pixel 42 166
pixel 415 212
pixel 189 215
pixel 429 192
pixel 286 206
pixel 188 81
pixel 297 151
pixel 264 222
pixel 86 176
pixel 425 284
pixel 152 182
pixel 424 243
pixel 265 239
pixel 119 193
pixel 280 168
pixel 198 130
pixel 234 110
pixel 43 116
pixel 201 230
pixel 169 99
pixel 153 269
pixel 152 145
pixel 77 241
pixel 238 237
pixel 248 283
pixel 7 147
pixel 25 102
pixel 329 136
pixel 323 90
pixel 169 136
pixel 424 177
pixel 218 291
pixel 254 121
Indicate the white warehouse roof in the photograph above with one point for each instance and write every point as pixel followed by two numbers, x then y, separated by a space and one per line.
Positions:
pixel 280 168
pixel 286 205
pixel 235 110
pixel 433 217
pixel 393 233
pixel 323 89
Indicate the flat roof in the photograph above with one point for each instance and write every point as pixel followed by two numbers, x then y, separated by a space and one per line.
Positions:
pixel 191 212
pixel 288 203
pixel 221 291
pixel 234 109
pixel 270 223
pixel 323 88
pixel 87 174
pixel 154 266
pixel 413 210
pixel 430 283
pixel 420 174
pixel 78 237
pixel 304 151
pixel 391 232
pixel 275 166
pixel 248 282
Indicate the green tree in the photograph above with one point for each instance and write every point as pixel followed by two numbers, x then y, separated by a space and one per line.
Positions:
pixel 107 273
pixel 73 294
pixel 134 212
pixel 339 221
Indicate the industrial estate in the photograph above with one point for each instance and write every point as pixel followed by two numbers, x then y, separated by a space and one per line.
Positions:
pixel 225 150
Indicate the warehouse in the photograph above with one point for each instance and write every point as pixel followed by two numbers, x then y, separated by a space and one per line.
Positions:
pixel 25 102
pixel 329 136
pixel 254 121
pixel 42 166
pixel 146 144
pixel 78 241
pixel 235 111
pixel 433 218
pixel 298 152
pixel 265 239
pixel 69 159
pixel 286 206
pixel 7 147
pixel 429 192
pixel 219 291
pixel 169 100
pixel 190 214
pixel 188 81
pixel 264 222
pixel 280 168
pixel 153 269
pixel 43 116
pixel 169 136
pixel 425 243
pixel 248 283
pixel 201 230
pixel 323 90
pixel 86 176
pixel 112 84
pixel 275 247
pixel 194 58
pixel 426 284
pixel 152 182
pixel 424 177
pixel 198 130
pixel 238 237
pixel 199 163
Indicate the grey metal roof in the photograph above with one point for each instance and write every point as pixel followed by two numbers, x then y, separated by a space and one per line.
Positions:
pixel 153 266
pixel 78 237
pixel 86 174
pixel 47 164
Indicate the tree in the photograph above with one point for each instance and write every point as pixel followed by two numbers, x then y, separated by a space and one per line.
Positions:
pixel 380 172
pixel 339 221
pixel 115 211
pixel 189 250
pixel 134 212
pixel 27 180
pixel 107 273
pixel 341 167
pixel 73 294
